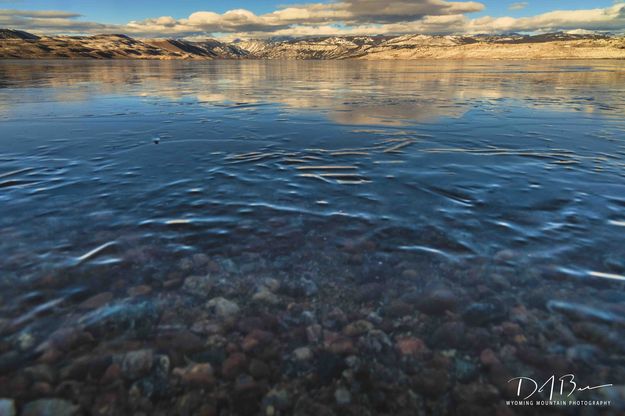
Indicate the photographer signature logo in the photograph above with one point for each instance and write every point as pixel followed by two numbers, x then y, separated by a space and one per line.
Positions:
pixel 564 387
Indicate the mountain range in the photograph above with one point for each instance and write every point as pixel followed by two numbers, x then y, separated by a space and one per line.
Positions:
pixel 17 44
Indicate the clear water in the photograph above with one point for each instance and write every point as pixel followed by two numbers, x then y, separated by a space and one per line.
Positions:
pixel 502 181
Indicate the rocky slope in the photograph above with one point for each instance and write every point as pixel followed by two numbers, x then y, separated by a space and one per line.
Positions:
pixel 95 47
pixel 19 44
pixel 22 45
pixel 208 49
pixel 16 34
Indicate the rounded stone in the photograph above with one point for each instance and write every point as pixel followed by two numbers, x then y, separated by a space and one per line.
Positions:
pixel 437 301
pixel 234 365
pixel 411 346
pixel 342 396
pixel 7 407
pixel 303 354
pixel 264 295
pixel 136 364
pixel 50 407
pixel 196 375
pixel 222 307
pixel 97 301
pixel 258 369
pixel 357 328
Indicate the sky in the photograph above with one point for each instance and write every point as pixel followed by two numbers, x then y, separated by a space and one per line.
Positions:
pixel 267 18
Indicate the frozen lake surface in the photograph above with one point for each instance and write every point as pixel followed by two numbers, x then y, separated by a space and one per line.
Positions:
pixel 472 213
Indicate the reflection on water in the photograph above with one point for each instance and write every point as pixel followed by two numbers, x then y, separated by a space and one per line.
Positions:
pixel 382 92
pixel 360 215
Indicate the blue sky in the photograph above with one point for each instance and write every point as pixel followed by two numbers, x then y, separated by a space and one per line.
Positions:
pixel 266 17
pixel 122 11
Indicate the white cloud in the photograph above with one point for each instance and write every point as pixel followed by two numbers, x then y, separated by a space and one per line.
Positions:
pixel 609 18
pixel 518 6
pixel 41 14
pixel 350 13
pixel 368 11
pixel 46 21
pixel 346 17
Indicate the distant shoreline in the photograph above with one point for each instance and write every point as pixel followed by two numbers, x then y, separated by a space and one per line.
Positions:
pixel 546 59
pixel 15 44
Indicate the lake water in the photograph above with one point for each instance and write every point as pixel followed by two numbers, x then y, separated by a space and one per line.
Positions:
pixel 252 215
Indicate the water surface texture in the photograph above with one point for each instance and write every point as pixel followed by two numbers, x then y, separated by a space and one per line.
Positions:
pixel 425 230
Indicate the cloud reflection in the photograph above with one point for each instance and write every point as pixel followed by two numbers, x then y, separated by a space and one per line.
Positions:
pixel 348 92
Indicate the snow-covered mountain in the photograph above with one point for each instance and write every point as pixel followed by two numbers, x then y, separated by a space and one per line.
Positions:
pixel 561 45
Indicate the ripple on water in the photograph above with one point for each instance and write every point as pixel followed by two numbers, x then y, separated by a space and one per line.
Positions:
pixel 92 254
pixel 582 311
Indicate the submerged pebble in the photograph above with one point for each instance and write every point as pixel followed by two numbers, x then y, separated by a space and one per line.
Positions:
pixel 49 407
pixel 137 363
pixel 303 354
pixel 7 407
pixel 224 308
pixel 484 313
pixel 196 375
pixel 342 396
